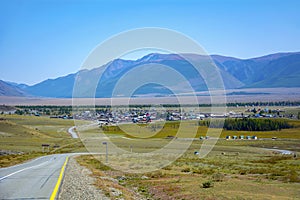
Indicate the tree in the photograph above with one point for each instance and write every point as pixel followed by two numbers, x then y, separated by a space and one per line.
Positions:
pixel 19 112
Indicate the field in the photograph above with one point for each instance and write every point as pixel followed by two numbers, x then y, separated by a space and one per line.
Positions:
pixel 22 138
pixel 240 173
pixel 234 169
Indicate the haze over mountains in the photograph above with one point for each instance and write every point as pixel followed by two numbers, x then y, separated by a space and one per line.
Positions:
pixel 11 89
pixel 270 71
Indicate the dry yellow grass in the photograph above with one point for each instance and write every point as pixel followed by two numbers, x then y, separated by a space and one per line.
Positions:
pixel 26 134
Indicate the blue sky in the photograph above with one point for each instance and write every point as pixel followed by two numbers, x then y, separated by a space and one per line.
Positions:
pixel 42 39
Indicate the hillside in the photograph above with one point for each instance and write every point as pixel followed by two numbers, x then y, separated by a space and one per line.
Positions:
pixel 7 89
pixel 59 87
pixel 270 71
pixel 275 70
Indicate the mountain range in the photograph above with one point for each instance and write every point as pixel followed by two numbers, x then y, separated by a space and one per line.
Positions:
pixel 270 71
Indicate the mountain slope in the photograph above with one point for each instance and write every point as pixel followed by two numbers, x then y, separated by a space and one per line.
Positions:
pixel 58 88
pixel 275 70
pixel 7 89
pixel 89 85
pixel 175 63
pixel 282 72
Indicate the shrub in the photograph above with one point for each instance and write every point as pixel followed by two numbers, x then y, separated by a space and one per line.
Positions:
pixel 187 169
pixel 207 184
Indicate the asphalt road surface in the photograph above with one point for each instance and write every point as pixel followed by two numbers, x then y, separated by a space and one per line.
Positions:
pixel 72 132
pixel 32 180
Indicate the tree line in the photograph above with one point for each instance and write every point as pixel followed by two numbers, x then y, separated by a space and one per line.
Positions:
pixel 248 124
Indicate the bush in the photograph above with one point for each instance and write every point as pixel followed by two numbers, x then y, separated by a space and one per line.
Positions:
pixel 207 184
pixel 187 169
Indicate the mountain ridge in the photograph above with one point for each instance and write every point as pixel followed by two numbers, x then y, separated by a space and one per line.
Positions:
pixel 273 70
pixel 11 89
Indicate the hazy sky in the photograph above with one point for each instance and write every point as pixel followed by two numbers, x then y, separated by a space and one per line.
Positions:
pixel 42 39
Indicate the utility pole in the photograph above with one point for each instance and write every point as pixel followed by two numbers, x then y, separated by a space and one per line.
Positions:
pixel 106 151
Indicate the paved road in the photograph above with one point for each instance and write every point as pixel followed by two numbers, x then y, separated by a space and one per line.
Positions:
pixel 74 134
pixel 71 131
pixel 32 180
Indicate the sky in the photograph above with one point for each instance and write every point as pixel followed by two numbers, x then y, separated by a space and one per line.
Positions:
pixel 41 39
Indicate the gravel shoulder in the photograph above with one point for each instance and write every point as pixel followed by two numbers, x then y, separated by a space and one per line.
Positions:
pixel 78 184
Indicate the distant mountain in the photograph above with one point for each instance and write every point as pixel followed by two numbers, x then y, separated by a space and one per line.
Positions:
pixel 59 88
pixel 7 89
pixel 275 70
pixel 280 72
pixel 22 86
pixel 116 69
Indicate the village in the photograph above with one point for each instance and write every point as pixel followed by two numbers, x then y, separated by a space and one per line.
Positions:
pixel 144 114
pixel 141 115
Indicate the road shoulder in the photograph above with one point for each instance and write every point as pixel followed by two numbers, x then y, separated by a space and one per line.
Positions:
pixel 78 184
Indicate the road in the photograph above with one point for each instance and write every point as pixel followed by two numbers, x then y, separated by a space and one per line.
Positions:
pixel 71 131
pixel 35 179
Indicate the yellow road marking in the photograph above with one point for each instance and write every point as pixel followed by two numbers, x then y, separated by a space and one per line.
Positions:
pixel 55 191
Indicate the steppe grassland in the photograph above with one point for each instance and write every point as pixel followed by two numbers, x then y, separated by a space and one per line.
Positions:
pixel 238 169
pixel 234 169
pixel 25 135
